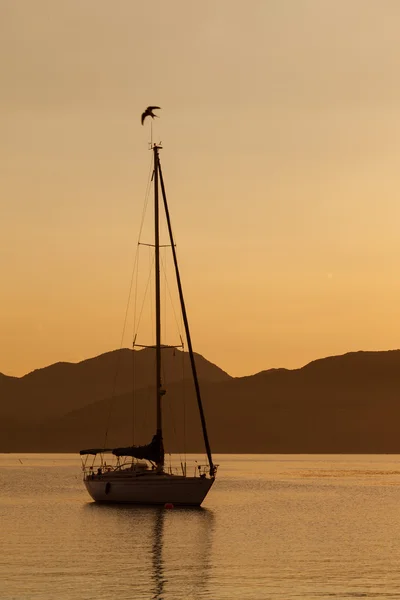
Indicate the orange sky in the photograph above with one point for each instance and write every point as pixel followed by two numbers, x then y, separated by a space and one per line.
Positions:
pixel 280 125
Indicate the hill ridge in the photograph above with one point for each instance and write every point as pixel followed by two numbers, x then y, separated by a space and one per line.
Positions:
pixel 343 403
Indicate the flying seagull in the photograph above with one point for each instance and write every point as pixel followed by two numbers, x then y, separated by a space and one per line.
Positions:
pixel 149 112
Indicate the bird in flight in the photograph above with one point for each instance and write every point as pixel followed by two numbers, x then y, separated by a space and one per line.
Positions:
pixel 149 112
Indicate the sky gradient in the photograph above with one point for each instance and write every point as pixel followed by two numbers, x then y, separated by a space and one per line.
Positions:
pixel 280 123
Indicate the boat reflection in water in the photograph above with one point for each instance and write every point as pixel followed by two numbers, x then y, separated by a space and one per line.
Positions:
pixel 166 554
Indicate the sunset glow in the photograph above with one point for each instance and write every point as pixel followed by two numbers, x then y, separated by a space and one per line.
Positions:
pixel 280 124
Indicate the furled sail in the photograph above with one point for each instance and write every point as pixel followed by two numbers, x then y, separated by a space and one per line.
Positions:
pixel 153 451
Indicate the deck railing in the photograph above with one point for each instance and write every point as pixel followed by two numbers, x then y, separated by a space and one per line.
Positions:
pixel 94 470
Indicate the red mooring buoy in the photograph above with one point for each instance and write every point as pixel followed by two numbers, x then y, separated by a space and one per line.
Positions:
pixel 168 505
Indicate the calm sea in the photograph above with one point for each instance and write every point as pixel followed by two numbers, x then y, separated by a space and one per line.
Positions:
pixel 272 527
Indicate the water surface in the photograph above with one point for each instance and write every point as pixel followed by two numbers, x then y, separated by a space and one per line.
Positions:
pixel 272 527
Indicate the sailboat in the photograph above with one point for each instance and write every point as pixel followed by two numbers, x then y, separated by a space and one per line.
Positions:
pixel 138 474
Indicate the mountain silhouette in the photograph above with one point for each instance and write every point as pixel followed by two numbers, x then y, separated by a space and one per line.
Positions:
pixel 347 404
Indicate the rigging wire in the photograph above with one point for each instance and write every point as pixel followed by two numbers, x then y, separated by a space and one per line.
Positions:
pixel 179 327
pixel 163 263
pixel 148 284
pixel 184 403
pixel 147 195
pixel 173 420
pixel 133 391
pixel 152 260
pixel 146 404
pixel 118 361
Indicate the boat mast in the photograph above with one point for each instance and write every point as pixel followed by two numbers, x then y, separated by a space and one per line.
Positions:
pixel 159 390
pixel 186 324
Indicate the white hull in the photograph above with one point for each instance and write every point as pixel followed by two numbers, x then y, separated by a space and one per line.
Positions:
pixel 149 488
